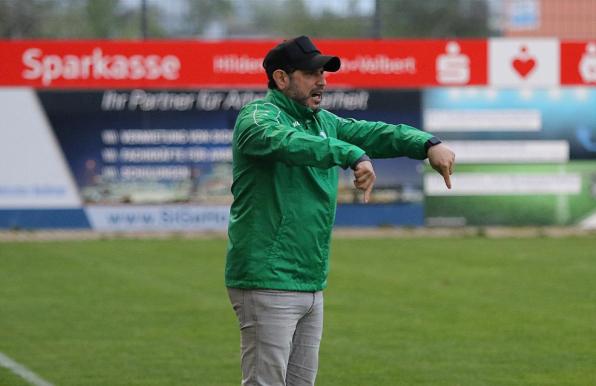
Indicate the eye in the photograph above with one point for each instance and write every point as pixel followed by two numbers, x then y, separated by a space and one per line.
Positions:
pixel 316 72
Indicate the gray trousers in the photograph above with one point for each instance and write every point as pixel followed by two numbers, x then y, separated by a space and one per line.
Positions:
pixel 280 334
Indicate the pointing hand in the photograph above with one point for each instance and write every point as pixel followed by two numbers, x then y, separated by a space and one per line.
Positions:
pixel 364 178
pixel 442 159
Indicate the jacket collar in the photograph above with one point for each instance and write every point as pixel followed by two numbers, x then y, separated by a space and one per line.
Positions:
pixel 289 105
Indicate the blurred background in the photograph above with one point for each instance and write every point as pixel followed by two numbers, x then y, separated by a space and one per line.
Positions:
pixel 110 145
pixel 252 19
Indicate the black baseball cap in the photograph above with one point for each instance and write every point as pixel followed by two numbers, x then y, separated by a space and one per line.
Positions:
pixel 301 54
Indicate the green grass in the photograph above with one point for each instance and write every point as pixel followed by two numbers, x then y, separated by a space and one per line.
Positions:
pixel 11 379
pixel 463 311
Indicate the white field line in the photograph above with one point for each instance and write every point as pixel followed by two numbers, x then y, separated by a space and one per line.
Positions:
pixel 22 371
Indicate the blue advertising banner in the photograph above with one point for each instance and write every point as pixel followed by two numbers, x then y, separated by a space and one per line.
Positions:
pixel 525 156
pixel 161 159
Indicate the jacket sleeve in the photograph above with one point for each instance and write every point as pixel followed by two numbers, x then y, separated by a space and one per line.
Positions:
pixel 383 140
pixel 259 133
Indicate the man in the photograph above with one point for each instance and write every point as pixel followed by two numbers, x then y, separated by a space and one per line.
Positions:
pixel 285 151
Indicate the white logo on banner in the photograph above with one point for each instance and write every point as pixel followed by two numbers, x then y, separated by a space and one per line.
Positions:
pixel 587 64
pixel 157 217
pixel 453 67
pixel 97 65
pixel 523 62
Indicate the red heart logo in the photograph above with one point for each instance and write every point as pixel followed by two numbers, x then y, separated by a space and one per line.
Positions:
pixel 524 67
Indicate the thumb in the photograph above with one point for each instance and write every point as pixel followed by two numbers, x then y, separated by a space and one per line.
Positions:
pixel 367 193
pixel 446 177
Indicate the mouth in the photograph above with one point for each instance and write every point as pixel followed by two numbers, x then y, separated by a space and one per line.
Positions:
pixel 317 96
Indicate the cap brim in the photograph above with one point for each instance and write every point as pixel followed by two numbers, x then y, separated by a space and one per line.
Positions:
pixel 328 63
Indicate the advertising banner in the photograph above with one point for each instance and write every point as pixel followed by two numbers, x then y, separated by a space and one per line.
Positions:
pixel 234 64
pixel 130 135
pixel 524 157
pixel 105 64
pixel 523 62
pixel 144 159
pixel 578 63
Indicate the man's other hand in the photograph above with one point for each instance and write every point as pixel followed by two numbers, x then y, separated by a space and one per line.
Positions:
pixel 442 159
pixel 364 178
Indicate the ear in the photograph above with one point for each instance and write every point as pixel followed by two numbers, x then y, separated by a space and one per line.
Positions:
pixel 281 78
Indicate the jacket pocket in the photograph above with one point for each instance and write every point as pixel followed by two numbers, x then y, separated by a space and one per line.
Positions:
pixel 281 234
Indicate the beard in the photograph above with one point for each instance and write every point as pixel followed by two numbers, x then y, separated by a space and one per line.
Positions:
pixel 311 99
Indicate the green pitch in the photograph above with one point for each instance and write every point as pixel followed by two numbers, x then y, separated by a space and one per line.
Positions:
pixel 462 311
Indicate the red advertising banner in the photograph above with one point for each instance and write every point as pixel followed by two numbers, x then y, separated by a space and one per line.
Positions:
pixel 127 64
pixel 409 63
pixel 578 63
pixel 235 63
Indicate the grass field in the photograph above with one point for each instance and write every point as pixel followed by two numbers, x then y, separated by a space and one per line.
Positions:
pixel 461 311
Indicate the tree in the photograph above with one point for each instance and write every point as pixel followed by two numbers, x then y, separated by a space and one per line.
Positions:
pixel 112 19
pixel 24 18
pixel 293 17
pixel 433 19
pixel 64 19
pixel 205 12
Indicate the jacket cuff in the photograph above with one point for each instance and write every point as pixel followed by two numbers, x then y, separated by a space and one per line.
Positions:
pixel 421 148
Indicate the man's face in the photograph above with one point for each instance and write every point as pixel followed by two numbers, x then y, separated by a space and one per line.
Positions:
pixel 307 87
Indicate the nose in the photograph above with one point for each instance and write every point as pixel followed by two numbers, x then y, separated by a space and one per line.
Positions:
pixel 321 81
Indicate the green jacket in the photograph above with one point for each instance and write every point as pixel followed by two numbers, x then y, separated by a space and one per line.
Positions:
pixel 285 188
